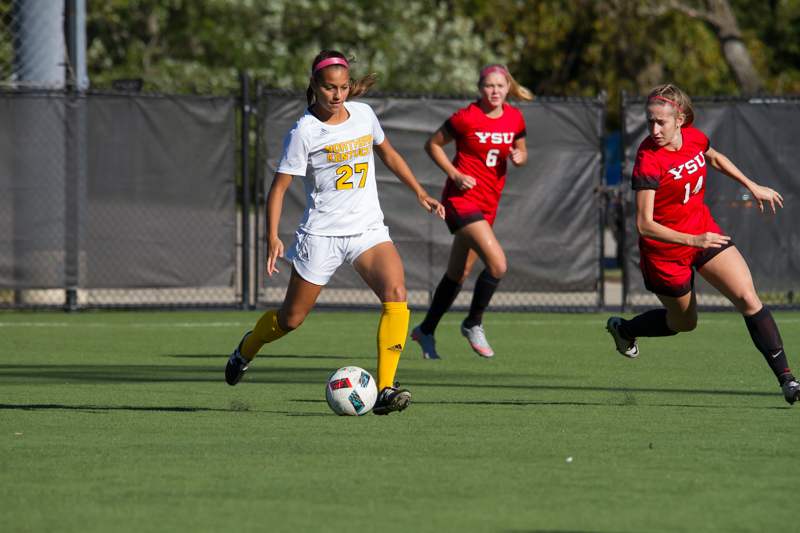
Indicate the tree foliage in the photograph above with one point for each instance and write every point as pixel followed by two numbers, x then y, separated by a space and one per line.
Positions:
pixel 555 47
pixel 178 45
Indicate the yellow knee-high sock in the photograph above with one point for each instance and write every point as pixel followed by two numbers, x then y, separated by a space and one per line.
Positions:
pixel 392 333
pixel 266 330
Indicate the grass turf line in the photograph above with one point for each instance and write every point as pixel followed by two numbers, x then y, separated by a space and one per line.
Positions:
pixel 123 422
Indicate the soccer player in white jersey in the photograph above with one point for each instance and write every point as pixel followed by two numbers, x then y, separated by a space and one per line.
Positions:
pixel 331 148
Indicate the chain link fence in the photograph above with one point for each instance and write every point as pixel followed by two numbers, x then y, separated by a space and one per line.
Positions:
pixel 139 200
pixel 549 219
pixel 36 37
pixel 128 199
pixel 118 200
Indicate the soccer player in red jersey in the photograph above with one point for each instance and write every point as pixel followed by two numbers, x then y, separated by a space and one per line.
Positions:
pixel 677 235
pixel 487 133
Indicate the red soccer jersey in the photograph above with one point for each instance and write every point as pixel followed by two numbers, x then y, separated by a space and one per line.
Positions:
pixel 482 146
pixel 679 179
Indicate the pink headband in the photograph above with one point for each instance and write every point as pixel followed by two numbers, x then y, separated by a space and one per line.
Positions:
pixel 662 98
pixel 330 61
pixel 494 68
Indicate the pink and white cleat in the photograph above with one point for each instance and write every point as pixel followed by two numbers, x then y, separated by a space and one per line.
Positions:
pixel 477 339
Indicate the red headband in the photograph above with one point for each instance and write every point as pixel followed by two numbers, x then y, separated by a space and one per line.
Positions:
pixel 330 61
pixel 662 98
pixel 494 68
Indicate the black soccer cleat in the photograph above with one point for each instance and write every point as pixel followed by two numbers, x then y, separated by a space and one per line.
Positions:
pixel 391 399
pixel 791 391
pixel 237 365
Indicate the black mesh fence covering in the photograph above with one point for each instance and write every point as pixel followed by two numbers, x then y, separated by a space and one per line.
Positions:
pixel 548 222
pixel 126 200
pixel 760 136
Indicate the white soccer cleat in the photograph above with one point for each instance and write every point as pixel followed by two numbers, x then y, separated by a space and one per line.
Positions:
pixel 426 342
pixel 791 391
pixel 477 339
pixel 625 347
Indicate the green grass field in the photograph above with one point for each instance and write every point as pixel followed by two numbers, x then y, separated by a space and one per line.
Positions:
pixel 123 422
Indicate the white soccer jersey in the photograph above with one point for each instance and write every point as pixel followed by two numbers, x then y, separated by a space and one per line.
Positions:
pixel 338 170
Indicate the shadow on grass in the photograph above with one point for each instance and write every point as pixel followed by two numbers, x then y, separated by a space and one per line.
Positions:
pixel 47 374
pixel 95 408
pixel 217 356
pixel 550 531
pixel 103 409
pixel 523 403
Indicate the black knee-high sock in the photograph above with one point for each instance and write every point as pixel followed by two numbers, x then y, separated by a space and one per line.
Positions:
pixel 767 338
pixel 443 298
pixel 652 323
pixel 485 286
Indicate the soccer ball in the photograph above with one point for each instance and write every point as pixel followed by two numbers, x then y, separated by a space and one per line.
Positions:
pixel 351 391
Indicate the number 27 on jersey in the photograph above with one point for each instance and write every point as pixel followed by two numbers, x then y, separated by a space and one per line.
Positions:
pixel 345 172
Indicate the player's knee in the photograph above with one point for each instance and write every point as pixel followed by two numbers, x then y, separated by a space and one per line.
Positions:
pixel 682 323
pixel 688 323
pixel 498 269
pixel 291 321
pixel 395 294
pixel 750 301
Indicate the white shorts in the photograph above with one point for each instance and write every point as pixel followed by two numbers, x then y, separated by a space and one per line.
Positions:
pixel 316 257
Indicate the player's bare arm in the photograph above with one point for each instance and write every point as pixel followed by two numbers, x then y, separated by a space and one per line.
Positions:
pixel 434 147
pixel 518 153
pixel 274 207
pixel 650 229
pixel 397 166
pixel 762 194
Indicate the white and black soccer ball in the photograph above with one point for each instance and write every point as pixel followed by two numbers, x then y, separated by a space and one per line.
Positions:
pixel 351 391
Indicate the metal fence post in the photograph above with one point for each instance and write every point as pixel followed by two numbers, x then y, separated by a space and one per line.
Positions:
pixel 71 200
pixel 258 176
pixel 624 307
pixel 72 154
pixel 603 207
pixel 245 140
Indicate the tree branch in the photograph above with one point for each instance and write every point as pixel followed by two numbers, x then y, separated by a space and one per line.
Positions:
pixel 657 8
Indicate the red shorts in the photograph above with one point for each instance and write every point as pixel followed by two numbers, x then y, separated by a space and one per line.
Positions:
pixel 675 278
pixel 459 211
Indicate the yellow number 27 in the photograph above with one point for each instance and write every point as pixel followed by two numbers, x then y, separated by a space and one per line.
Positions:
pixel 345 172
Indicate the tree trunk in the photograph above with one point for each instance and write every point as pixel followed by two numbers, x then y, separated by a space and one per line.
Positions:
pixel 736 55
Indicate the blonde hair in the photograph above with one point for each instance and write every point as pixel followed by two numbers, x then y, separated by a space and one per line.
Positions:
pixel 670 94
pixel 515 90
pixel 357 87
